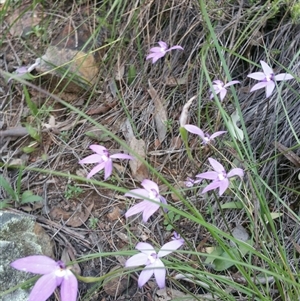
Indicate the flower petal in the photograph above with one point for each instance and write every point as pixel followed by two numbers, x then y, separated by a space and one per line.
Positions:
pixel 43 288
pixel 145 248
pixel 216 134
pixel 169 247
pixel 108 169
pixel 269 88
pixel 149 210
pixel 136 260
pixel 194 130
pixel 235 172
pixel 140 207
pixel 233 82
pixel 163 45
pixel 175 47
pixel 138 193
pixel 69 287
pixel 257 75
pixel 155 56
pixel 96 169
pixel 209 175
pixel 213 185
pixel 283 76
pixel 37 264
pixel 157 50
pixel 223 93
pixel 145 276
pixel 149 185
pixel 259 86
pixel 95 158
pixel 267 69
pixel 98 149
pixel 218 82
pixel 160 274
pixel 218 167
pixel 223 186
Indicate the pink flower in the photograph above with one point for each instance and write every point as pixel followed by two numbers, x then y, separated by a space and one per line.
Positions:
pixel 204 136
pixel 152 262
pixel 267 78
pixel 54 274
pixel 104 160
pixel 220 88
pixel 191 182
pixel 148 208
pixel 219 177
pixel 158 52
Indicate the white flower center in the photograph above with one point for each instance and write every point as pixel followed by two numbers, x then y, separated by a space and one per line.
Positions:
pixel 152 257
pixel 153 195
pixel 104 158
pixel 60 272
pixel 220 86
pixel 222 176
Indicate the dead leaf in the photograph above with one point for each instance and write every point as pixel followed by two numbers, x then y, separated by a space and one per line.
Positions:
pixel 59 214
pixel 138 169
pixel 116 284
pixel 119 72
pixel 80 217
pixel 296 246
pixel 185 112
pixel 174 82
pixel 176 142
pixel 160 113
pixel 22 23
pixel 290 155
pixel 114 214
pixel 65 257
pixel 103 108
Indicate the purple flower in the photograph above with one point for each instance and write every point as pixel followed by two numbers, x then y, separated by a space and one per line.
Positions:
pixel 191 182
pixel 148 208
pixel 267 78
pixel 177 236
pixel 54 274
pixel 151 260
pixel 204 136
pixel 104 160
pixel 219 177
pixel 158 52
pixel 220 88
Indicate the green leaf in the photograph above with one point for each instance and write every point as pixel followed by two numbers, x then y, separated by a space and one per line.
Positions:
pixel 29 197
pixel 131 74
pixel 233 205
pixel 28 149
pixel 6 186
pixel 4 204
pixel 236 252
pixel 216 252
pixel 33 132
pixel 32 106
pixel 232 124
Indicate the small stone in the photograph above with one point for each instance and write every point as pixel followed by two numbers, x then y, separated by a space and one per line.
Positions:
pixel 20 236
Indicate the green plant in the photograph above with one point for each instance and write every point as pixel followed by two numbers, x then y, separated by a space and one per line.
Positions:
pixel 72 191
pixel 16 195
pixel 170 219
pixel 93 222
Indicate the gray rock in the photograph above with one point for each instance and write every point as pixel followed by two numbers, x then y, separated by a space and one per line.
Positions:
pixel 20 236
